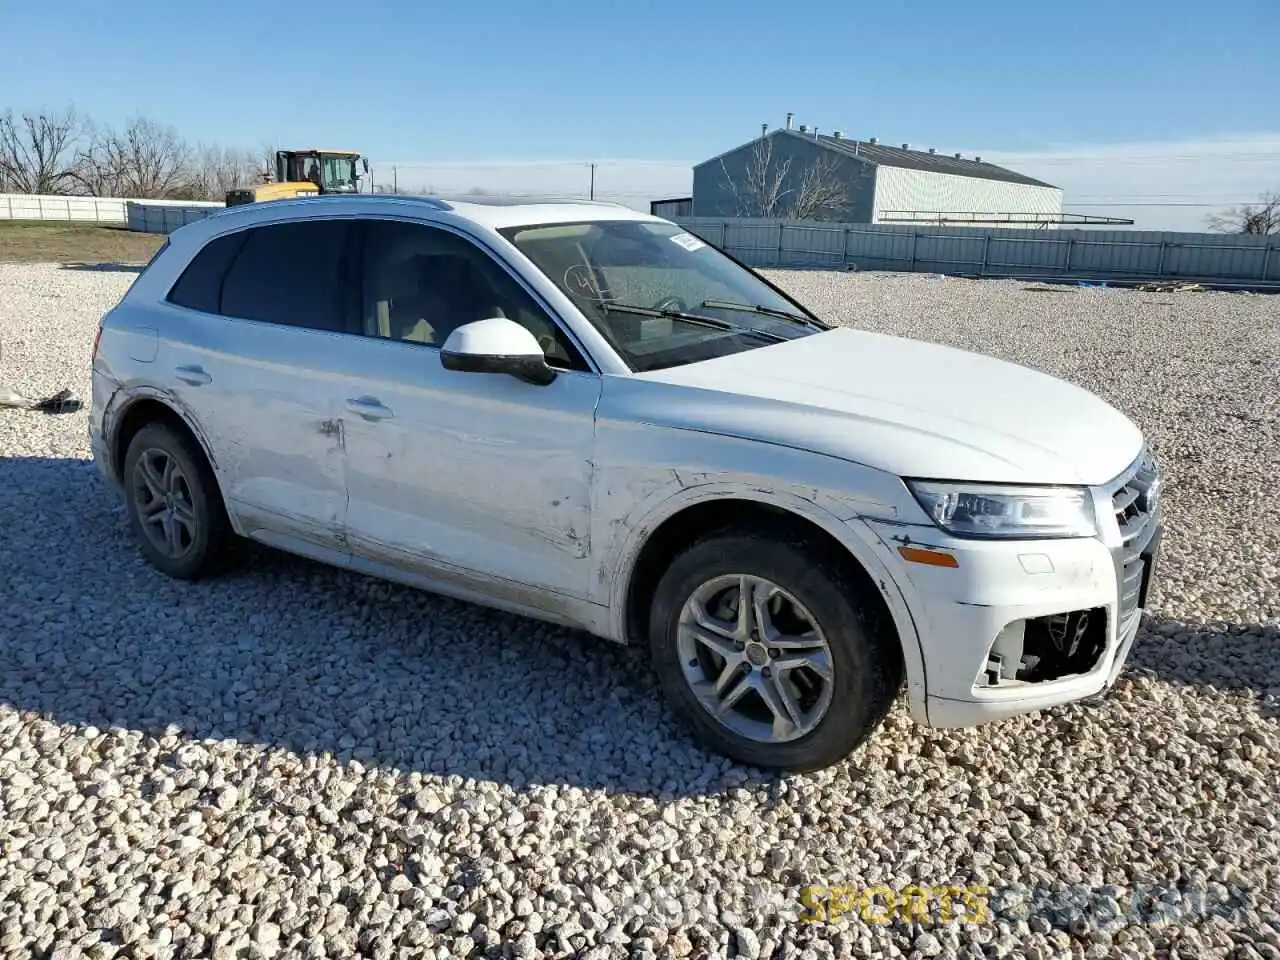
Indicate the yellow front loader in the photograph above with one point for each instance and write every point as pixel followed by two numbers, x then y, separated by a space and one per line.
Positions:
pixel 305 173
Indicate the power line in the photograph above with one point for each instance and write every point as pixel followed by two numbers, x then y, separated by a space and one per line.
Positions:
pixel 547 194
pixel 1135 161
pixel 519 164
pixel 1151 196
pixel 1156 203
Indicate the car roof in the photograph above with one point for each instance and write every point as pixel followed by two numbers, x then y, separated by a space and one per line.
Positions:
pixel 493 213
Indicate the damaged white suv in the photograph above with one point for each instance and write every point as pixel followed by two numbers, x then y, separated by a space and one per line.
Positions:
pixel 588 415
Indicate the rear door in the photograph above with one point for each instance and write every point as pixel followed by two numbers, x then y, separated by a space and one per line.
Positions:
pixel 261 317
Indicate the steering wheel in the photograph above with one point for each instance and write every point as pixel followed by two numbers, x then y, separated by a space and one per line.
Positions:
pixel 672 303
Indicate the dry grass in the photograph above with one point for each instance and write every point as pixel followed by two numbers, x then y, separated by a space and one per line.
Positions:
pixel 41 242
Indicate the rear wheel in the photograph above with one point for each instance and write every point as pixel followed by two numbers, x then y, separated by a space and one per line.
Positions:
pixel 772 650
pixel 175 509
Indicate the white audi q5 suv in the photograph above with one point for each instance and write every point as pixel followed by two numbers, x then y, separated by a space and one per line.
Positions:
pixel 588 415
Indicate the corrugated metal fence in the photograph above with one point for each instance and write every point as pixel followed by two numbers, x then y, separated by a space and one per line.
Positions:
pixel 996 251
pixel 974 251
pixel 147 216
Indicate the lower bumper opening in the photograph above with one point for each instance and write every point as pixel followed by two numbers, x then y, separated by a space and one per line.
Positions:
pixel 1044 649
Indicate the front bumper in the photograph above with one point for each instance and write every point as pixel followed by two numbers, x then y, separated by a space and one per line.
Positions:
pixel 1006 604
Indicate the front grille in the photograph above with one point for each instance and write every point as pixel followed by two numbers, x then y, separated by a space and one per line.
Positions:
pixel 1135 499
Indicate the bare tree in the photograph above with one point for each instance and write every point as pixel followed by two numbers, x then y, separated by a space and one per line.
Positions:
pixel 821 191
pixel 761 190
pixel 777 187
pixel 216 169
pixel 98 169
pixel 1260 218
pixel 146 160
pixel 267 161
pixel 38 150
pixel 155 160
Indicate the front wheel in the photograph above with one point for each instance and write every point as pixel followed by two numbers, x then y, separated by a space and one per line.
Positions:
pixel 773 652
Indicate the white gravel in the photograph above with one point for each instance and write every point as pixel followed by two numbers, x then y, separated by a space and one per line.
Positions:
pixel 298 762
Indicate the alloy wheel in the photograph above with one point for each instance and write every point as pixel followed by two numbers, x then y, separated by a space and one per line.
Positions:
pixel 162 497
pixel 755 658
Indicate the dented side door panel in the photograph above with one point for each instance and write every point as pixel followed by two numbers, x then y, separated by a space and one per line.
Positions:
pixel 478 472
pixel 270 410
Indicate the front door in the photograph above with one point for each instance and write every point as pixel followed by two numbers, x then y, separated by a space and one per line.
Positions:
pixel 470 478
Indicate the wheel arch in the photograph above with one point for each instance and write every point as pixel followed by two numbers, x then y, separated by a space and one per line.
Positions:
pixel 696 512
pixel 153 407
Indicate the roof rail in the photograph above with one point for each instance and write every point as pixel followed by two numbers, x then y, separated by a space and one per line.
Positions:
pixel 499 200
pixel 435 202
pixel 600 203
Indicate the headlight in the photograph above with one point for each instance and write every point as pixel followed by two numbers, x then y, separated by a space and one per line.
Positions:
pixel 980 510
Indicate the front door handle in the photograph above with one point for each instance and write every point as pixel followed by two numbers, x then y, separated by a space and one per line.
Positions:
pixel 371 408
pixel 193 375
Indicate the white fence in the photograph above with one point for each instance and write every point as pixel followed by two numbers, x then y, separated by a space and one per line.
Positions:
pixel 146 216
pixel 1109 255
pixel 165 216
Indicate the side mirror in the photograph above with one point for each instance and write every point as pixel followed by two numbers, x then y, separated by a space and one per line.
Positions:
pixel 496 345
pixel 365 161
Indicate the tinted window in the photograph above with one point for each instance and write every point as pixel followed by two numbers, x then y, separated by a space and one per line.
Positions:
pixel 293 274
pixel 421 283
pixel 200 285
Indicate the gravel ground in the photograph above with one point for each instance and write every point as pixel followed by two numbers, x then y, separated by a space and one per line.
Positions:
pixel 295 761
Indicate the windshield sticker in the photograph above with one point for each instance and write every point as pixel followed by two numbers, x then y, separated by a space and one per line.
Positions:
pixel 688 241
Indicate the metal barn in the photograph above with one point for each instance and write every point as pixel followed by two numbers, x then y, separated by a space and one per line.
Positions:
pixel 801 174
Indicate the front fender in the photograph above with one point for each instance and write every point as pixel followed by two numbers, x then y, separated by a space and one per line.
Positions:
pixel 852 533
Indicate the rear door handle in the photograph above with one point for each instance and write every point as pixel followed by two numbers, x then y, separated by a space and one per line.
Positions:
pixel 193 375
pixel 371 408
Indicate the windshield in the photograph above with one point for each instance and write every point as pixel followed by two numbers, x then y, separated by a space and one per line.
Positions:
pixel 634 278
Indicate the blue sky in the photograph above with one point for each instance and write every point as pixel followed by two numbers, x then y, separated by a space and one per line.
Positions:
pixel 1112 100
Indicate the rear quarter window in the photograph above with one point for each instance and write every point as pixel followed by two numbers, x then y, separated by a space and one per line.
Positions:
pixel 200 285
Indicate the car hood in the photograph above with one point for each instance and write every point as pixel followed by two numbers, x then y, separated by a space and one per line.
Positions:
pixel 905 406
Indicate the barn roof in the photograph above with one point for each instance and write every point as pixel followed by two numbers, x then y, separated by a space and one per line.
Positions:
pixel 886 156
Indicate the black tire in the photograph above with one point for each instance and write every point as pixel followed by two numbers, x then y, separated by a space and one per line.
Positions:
pixel 864 653
pixel 210 550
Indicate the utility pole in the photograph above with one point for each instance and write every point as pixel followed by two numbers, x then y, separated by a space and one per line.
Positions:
pixel 593 181
pixel 395 179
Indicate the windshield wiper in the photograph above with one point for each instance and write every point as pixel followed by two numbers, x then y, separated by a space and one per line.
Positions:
pixel 765 311
pixel 694 318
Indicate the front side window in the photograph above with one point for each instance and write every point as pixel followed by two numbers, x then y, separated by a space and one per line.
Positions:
pixel 659 295
pixel 421 283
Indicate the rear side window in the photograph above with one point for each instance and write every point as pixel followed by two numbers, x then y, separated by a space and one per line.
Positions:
pixel 293 274
pixel 200 285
